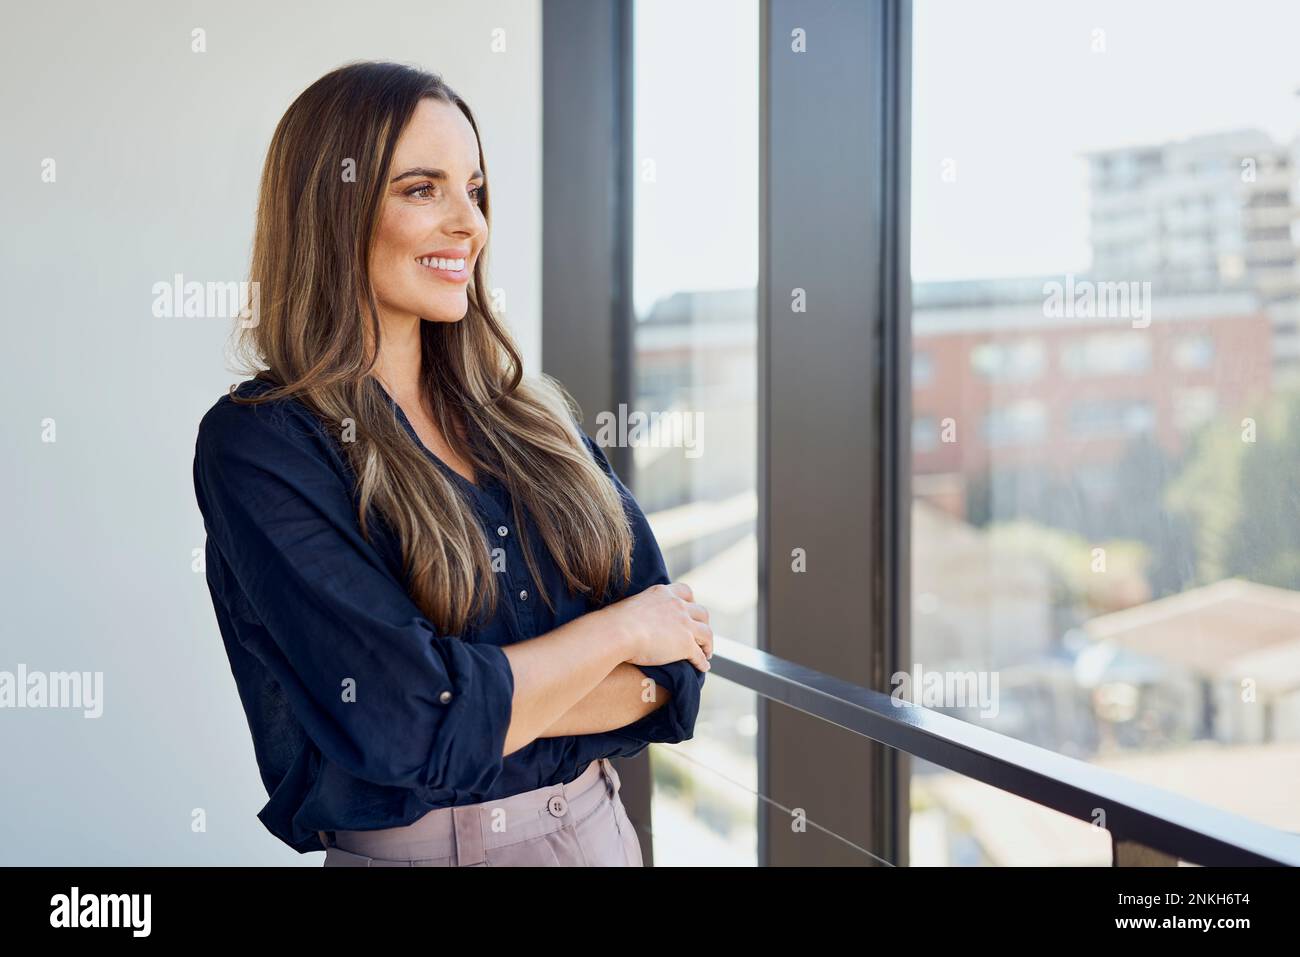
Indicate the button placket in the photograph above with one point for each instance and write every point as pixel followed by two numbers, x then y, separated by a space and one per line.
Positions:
pixel 496 508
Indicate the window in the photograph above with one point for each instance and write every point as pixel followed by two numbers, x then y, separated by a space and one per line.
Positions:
pixel 1137 447
pixel 1106 417
pixel 1101 354
pixel 694 343
pixel 1193 352
pixel 1017 423
pixel 922 369
pixel 1009 361
pixel 925 435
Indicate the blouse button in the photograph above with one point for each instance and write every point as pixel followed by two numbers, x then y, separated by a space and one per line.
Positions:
pixel 445 697
pixel 502 531
pixel 523 596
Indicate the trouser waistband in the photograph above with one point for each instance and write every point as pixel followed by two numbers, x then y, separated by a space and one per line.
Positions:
pixel 466 832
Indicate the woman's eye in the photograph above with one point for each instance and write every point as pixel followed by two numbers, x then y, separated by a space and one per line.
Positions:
pixel 425 191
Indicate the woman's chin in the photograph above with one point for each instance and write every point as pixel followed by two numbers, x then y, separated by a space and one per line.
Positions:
pixel 443 316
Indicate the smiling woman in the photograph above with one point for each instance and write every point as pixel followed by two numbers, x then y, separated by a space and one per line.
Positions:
pixel 425 201
pixel 438 599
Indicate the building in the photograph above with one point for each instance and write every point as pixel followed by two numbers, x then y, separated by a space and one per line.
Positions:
pixel 1202 215
pixel 1005 389
pixel 1236 640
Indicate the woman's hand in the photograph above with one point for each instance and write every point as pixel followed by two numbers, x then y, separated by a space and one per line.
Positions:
pixel 663 624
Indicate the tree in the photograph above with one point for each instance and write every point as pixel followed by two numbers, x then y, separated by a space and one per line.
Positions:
pixel 1239 493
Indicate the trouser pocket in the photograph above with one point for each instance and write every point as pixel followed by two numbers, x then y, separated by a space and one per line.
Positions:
pixel 631 842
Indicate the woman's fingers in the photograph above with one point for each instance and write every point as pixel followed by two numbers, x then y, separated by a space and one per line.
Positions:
pixel 703 637
pixel 697 611
pixel 701 631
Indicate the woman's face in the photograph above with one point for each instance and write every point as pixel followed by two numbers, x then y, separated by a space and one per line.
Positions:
pixel 431 227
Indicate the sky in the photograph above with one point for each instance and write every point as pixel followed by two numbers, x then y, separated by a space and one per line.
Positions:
pixel 696 120
pixel 1014 94
pixel 1010 91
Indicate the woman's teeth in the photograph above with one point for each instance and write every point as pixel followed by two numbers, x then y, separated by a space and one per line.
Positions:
pixel 450 265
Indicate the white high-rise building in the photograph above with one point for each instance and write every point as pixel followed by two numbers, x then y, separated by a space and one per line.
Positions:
pixel 1206 214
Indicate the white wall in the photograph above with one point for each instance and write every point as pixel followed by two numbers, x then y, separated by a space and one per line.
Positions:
pixel 158 153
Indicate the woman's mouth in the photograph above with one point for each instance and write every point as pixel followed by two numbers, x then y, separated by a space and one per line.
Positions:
pixel 453 270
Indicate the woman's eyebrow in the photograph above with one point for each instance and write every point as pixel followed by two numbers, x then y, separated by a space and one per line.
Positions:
pixel 430 173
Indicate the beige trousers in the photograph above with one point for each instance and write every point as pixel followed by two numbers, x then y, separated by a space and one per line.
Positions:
pixel 579 824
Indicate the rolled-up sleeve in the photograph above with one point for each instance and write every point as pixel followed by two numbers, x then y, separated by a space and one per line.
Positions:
pixel 675 721
pixel 375 687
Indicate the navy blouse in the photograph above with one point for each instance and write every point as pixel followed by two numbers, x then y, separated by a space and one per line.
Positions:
pixel 362 715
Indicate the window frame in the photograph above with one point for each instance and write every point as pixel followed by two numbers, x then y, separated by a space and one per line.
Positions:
pixel 861 414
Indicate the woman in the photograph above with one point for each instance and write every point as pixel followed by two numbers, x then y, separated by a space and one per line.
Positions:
pixel 443 610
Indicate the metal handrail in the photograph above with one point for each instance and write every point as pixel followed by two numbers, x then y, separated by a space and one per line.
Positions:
pixel 1134 813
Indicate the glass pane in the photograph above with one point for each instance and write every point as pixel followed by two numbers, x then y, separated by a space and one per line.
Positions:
pixel 1107 324
pixel 695 275
pixel 961 822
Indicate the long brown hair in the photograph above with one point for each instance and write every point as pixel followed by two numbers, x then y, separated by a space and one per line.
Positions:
pixel 310 265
